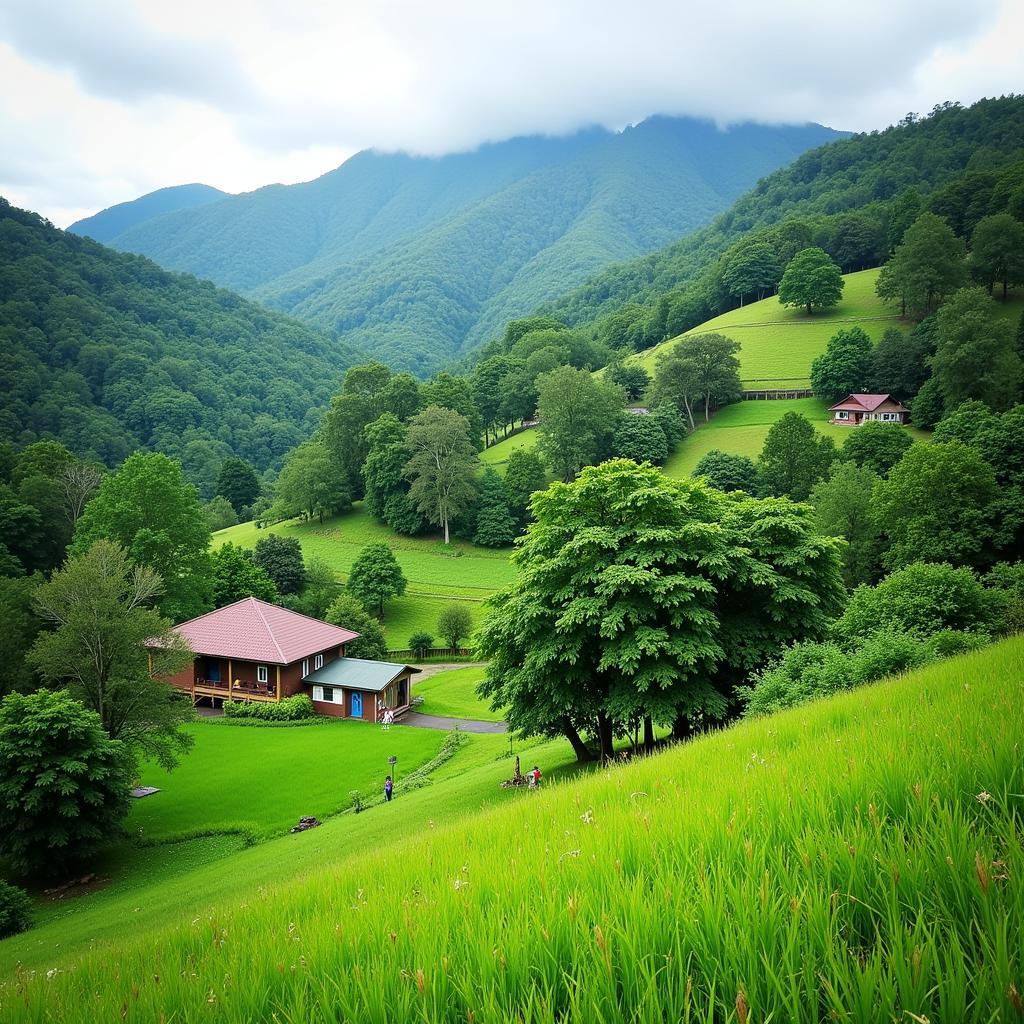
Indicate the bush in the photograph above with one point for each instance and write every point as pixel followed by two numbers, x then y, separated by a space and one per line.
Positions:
pixel 420 643
pixel 728 472
pixel 15 907
pixel 454 624
pixel 289 709
pixel 922 598
pixel 63 782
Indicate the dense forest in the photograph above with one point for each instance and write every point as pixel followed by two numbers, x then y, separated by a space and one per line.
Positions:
pixel 853 197
pixel 108 353
pixel 417 259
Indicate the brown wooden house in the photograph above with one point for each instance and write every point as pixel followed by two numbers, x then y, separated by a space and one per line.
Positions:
pixel 256 651
pixel 855 410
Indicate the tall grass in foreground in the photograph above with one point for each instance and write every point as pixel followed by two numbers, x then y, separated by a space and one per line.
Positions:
pixel 857 859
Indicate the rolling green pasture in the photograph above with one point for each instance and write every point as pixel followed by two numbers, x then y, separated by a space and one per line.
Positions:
pixel 741 428
pixel 453 694
pixel 779 343
pixel 436 574
pixel 858 857
pixel 261 780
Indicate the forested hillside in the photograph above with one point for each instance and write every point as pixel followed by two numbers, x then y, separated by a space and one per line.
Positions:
pixel 109 223
pixel 854 197
pixel 108 353
pixel 419 259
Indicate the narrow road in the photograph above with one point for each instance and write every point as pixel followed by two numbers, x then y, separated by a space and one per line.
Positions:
pixel 414 718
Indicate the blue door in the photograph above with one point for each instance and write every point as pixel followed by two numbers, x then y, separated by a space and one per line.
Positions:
pixel 357 705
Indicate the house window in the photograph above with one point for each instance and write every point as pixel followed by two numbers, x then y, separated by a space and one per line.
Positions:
pixel 318 661
pixel 842 415
pixel 890 417
pixel 326 694
pixel 305 666
pixel 261 674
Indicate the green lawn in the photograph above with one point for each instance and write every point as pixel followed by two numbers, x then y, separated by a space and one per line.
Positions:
pixel 417 613
pixel 264 779
pixel 779 343
pixel 741 428
pixel 497 455
pixel 860 855
pixel 453 694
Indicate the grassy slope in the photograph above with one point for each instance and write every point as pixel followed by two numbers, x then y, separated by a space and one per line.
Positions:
pixel 497 455
pixel 832 858
pixel 780 343
pixel 740 429
pixel 435 574
pixel 453 693
pixel 265 779
pixel 153 887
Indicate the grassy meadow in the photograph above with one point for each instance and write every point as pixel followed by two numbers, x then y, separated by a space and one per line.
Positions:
pixel 436 574
pixel 779 343
pixel 497 454
pixel 858 858
pixel 453 694
pixel 261 780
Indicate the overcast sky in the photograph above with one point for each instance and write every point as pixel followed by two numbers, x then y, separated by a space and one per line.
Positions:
pixel 104 100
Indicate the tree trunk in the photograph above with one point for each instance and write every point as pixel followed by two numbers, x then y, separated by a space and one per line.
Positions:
pixel 707 407
pixel 580 749
pixel 681 728
pixel 604 732
pixel 1004 289
pixel 808 309
pixel 445 523
pixel 648 733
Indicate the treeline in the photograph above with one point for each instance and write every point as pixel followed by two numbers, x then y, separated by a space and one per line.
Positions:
pixel 853 198
pixel 107 354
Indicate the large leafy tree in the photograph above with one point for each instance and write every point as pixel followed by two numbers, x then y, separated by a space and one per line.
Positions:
pixel 811 280
pixel 997 251
pixel 149 509
pixel 640 438
pixel 376 577
pixel 578 414
pixel 238 483
pixel 936 506
pixel 524 474
pixel 727 471
pixel 975 356
pixel 236 577
pixel 753 271
pixel 442 465
pixel 638 598
pixel 631 377
pixel 927 266
pixel 311 483
pixel 704 368
pixel 99 610
pixel 845 367
pixel 346 611
pixel 454 623
pixel 64 783
pixel 385 461
pixel 876 446
pixel 900 362
pixel 495 524
pixel 18 629
pixel 843 508
pixel 794 457
pixel 281 559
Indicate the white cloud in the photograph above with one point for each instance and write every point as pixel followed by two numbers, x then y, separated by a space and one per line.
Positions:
pixel 102 100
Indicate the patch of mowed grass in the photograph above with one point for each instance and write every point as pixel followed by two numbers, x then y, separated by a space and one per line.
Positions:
pixel 779 343
pixel 417 613
pixel 261 780
pixel 742 427
pixel 859 857
pixel 453 694
pixel 153 887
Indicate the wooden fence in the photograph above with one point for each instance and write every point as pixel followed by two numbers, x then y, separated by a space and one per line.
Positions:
pixel 421 654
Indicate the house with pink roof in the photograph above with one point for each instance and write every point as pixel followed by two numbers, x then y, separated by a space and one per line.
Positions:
pixel 256 651
pixel 854 410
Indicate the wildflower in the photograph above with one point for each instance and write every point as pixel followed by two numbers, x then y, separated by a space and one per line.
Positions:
pixel 587 817
pixel 983 797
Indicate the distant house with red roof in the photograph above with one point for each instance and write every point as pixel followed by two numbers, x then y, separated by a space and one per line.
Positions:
pixel 857 409
pixel 253 650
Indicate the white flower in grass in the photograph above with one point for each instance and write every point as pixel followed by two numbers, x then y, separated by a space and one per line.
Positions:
pixel 587 817
pixel 983 797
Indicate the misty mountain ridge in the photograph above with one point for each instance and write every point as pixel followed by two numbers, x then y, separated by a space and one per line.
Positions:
pixel 418 259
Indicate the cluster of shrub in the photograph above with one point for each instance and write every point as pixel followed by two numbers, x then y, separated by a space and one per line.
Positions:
pixel 916 615
pixel 297 708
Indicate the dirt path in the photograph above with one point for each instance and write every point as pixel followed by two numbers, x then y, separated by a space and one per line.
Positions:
pixel 432 668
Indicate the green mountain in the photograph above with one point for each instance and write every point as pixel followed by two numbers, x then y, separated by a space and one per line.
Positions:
pixel 950 160
pixel 418 259
pixel 114 220
pixel 107 353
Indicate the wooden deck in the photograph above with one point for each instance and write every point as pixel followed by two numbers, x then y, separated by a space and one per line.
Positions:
pixel 267 692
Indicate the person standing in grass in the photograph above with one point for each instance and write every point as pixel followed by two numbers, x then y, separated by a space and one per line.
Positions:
pixel 535 775
pixel 389 788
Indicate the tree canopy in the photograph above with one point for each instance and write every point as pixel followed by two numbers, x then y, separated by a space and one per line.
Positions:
pixel 812 280
pixel 794 457
pixel 376 577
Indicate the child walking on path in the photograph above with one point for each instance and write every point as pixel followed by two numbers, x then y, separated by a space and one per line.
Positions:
pixel 388 789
